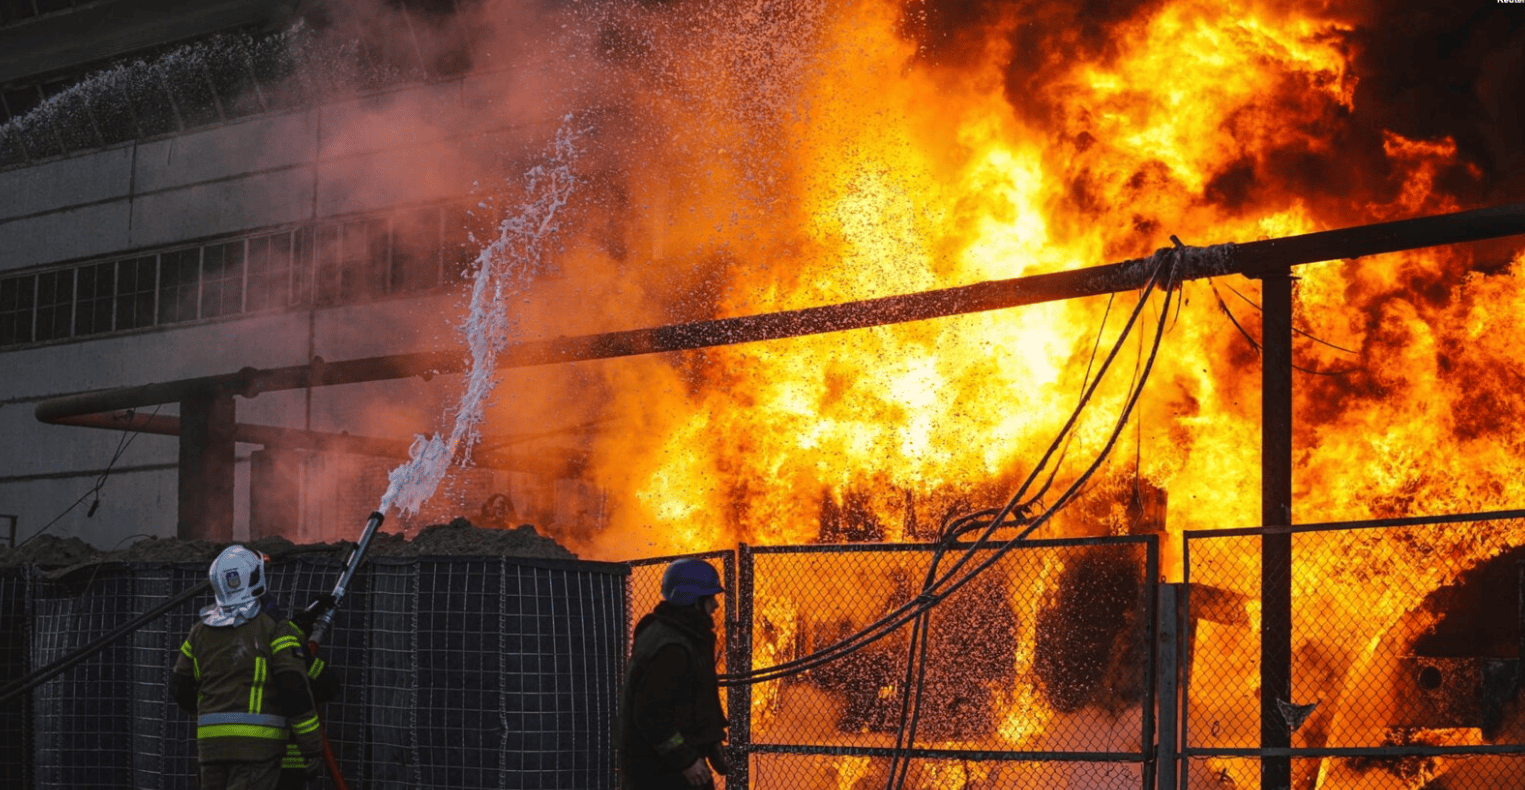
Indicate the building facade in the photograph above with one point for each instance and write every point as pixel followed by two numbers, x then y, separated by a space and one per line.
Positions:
pixel 187 193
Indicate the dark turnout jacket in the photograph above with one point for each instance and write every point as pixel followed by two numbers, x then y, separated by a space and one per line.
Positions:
pixel 670 712
pixel 247 687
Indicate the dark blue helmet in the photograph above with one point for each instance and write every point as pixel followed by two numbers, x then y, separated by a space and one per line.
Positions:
pixel 686 581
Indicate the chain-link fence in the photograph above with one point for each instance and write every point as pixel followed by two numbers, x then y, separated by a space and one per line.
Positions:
pixel 1403 655
pixel 1039 669
pixel 1057 667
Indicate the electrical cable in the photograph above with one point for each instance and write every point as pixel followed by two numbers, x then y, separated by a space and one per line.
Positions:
pixel 122 444
pixel 1309 335
pixel 949 582
pixel 893 620
pixel 913 693
pixel 1255 344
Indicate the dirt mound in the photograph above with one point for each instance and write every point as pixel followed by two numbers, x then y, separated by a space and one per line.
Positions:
pixel 458 538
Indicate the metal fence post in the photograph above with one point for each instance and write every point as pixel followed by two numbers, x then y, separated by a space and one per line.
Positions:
pixel 739 662
pixel 1276 511
pixel 1152 616
pixel 1167 662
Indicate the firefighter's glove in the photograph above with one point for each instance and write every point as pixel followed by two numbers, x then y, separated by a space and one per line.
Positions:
pixel 305 618
pixel 716 755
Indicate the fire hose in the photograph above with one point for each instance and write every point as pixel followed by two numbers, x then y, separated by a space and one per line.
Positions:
pixel 324 623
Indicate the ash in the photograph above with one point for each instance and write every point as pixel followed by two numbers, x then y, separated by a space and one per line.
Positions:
pixel 61 556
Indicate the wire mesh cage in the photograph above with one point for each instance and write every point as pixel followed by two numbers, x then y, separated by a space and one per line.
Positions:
pixel 453 672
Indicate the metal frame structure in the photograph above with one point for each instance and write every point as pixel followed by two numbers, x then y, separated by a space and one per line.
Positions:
pixel 209 426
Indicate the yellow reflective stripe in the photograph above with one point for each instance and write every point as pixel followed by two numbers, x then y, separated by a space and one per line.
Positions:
pixel 257 691
pixel 293 757
pixel 671 744
pixel 241 731
pixel 195 665
pixel 285 643
pixel 316 669
pixel 305 726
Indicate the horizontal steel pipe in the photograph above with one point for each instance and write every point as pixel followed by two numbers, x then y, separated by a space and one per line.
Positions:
pixel 1250 259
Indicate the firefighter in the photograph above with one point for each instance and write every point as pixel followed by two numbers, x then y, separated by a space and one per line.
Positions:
pixel 241 674
pixel 671 722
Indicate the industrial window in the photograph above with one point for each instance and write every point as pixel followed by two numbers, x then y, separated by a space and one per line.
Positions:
pixel 325 264
pixel 222 279
pixel 179 281
pixel 17 299
pixel 55 304
pixel 136 283
pixel 97 287
pixel 333 263
pixel 416 257
pixel 269 284
pixel 364 260
pixel 459 249
pixel 302 277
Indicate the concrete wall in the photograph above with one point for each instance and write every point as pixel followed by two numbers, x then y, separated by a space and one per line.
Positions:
pixel 258 173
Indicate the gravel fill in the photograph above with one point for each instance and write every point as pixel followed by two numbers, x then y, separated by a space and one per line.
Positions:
pixel 62 556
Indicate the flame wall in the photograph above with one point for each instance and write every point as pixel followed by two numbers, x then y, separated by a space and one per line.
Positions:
pixel 743 157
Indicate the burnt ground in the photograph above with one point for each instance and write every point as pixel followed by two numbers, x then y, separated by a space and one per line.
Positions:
pixel 458 538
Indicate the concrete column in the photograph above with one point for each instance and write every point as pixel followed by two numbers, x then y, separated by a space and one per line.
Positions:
pixel 207 426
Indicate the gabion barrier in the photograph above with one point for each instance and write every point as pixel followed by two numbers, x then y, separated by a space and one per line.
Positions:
pixel 454 672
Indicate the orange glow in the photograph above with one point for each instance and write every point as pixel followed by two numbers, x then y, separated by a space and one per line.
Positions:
pixel 769 156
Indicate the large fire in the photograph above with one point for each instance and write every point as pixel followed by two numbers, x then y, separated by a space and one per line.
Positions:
pixel 761 155
pixel 813 156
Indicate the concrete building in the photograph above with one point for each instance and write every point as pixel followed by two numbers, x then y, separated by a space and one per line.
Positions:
pixel 183 196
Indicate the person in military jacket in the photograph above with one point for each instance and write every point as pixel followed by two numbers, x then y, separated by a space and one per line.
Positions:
pixel 671 722
pixel 241 673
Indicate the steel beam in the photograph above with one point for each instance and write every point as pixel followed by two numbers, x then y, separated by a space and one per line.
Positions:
pixel 1250 259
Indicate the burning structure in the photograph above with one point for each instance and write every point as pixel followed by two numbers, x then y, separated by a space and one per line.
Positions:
pixel 667 164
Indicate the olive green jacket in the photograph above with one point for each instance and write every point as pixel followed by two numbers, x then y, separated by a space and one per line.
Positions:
pixel 246 685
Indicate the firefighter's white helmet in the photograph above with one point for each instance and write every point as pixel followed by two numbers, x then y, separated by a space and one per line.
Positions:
pixel 238 581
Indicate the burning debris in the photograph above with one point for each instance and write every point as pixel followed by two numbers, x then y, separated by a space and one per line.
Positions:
pixel 1090 634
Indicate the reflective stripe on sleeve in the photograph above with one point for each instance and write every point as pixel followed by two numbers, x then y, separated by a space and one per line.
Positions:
pixel 671 744
pixel 285 643
pixel 316 669
pixel 185 649
pixel 305 726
